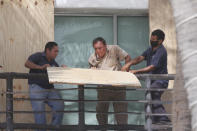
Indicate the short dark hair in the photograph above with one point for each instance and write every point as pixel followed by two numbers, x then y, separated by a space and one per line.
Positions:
pixel 99 39
pixel 159 33
pixel 49 45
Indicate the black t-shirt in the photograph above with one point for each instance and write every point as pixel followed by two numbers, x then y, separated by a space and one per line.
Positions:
pixel 39 58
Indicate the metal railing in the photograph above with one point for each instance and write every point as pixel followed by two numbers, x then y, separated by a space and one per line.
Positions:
pixel 10 125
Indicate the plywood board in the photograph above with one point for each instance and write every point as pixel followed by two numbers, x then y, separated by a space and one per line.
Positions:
pixel 91 76
pixel 25 27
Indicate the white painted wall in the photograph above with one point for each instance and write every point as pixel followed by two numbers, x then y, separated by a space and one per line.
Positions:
pixel 102 7
pixel 109 4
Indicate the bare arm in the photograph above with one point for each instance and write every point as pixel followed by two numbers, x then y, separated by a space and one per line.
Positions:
pixel 143 70
pixel 127 59
pixel 135 61
pixel 31 65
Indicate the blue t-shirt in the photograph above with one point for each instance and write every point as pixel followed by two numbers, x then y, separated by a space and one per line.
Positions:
pixel 157 58
pixel 40 59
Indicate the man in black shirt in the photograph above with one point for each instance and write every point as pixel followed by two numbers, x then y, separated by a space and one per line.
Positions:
pixel 156 59
pixel 40 88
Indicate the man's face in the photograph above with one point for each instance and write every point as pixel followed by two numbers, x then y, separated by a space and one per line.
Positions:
pixel 100 49
pixel 53 52
pixel 154 38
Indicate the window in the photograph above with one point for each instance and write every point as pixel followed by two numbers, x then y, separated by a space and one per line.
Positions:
pixel 74 34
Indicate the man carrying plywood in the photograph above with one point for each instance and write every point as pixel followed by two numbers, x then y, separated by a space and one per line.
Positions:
pixel 156 57
pixel 108 57
pixel 40 88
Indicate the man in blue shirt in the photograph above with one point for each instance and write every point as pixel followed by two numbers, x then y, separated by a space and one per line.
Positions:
pixel 40 88
pixel 156 57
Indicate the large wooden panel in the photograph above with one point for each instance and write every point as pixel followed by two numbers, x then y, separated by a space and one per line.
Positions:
pixel 25 27
pixel 161 17
pixel 91 76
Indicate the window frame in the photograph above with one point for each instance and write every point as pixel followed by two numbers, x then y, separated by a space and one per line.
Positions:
pixel 114 17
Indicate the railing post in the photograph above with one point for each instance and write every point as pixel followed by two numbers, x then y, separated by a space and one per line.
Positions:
pixel 81 108
pixel 9 103
pixel 148 106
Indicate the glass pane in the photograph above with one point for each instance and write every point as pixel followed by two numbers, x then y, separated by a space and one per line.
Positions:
pixel 74 36
pixel 133 37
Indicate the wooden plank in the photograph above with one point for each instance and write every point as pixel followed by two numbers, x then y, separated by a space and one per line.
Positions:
pixel 91 76
pixel 25 27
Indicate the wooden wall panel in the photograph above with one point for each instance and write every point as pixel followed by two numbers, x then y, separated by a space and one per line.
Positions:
pixel 161 17
pixel 25 27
